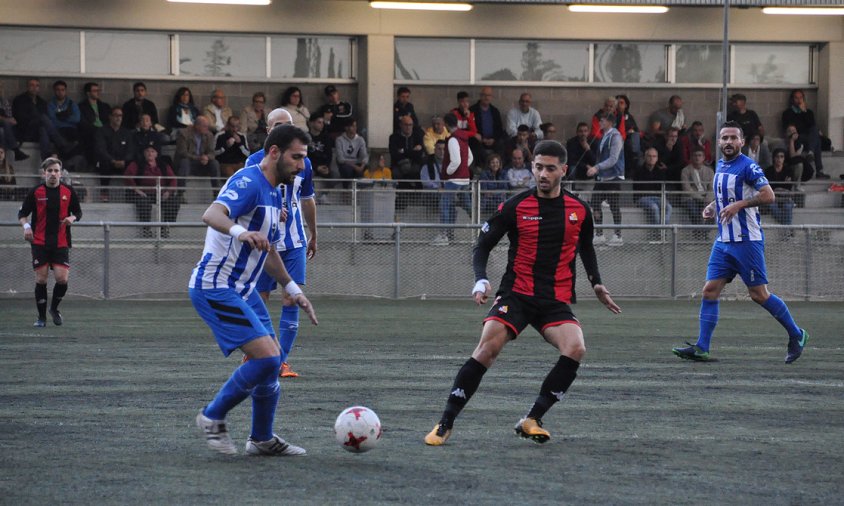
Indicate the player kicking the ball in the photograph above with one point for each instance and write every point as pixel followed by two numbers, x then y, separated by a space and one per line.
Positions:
pixel 243 227
pixel 547 226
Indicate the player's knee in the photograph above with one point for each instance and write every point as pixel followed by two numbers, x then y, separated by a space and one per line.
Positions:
pixel 759 297
pixel 576 351
pixel 270 366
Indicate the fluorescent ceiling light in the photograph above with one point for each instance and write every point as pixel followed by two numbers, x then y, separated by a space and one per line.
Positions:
pixel 620 9
pixel 818 11
pixel 422 6
pixel 228 2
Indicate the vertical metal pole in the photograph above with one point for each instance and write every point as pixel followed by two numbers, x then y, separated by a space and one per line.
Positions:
pixel 355 210
pixel 106 258
pixel 808 268
pixel 158 206
pixel 397 263
pixel 725 65
pixel 674 261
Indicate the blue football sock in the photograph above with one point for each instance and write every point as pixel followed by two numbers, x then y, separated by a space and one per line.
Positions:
pixel 708 321
pixel 264 402
pixel 288 328
pixel 779 310
pixel 240 385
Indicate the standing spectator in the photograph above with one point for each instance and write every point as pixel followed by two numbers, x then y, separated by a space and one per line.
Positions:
pixel 799 115
pixel 630 133
pixel 781 180
pixel 649 178
pixel 195 153
pixel 609 172
pixel 406 152
pixel 114 148
pixel 319 149
pixel 95 114
pixel 610 107
pixel 230 149
pixel 748 119
pixel 524 114
pixel 465 117
pixel 8 140
pixel 339 111
pixel 253 120
pixel 757 150
pixel 693 139
pixel 54 207
pixel 494 184
pixel 488 121
pixel 697 186
pixel 291 100
pixel 142 177
pixel 138 105
pixel 32 124
pixel 580 153
pixel 350 151
pixel 433 134
pixel 146 135
pixel 403 107
pixel 183 113
pixel 217 112
pixel 64 113
pixel 456 178
pixel 672 116
pixel 519 174
pixel 8 182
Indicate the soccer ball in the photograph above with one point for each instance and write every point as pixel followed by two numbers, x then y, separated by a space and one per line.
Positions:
pixel 357 429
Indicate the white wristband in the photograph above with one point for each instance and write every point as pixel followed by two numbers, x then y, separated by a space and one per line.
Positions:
pixel 236 230
pixel 481 286
pixel 292 289
pixel 27 226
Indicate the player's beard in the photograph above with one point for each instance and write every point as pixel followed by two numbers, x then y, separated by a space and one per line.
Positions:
pixel 285 174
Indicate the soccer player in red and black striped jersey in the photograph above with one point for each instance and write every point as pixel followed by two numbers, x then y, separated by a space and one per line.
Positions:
pixel 547 228
pixel 54 207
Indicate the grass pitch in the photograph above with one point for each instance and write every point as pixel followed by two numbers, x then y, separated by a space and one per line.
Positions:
pixel 100 410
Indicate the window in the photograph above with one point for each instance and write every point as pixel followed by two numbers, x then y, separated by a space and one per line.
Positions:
pixel 699 63
pixel 222 56
pixel 312 57
pixel 497 60
pixel 421 60
pixel 127 53
pixel 630 63
pixel 772 64
pixel 33 50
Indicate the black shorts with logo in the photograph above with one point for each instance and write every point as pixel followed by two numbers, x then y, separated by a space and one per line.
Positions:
pixel 517 311
pixel 42 255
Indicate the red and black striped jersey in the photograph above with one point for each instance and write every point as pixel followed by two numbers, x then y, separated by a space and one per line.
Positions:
pixel 546 236
pixel 48 207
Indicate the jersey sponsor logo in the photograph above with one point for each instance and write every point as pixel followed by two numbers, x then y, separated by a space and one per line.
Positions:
pixel 573 218
pixel 532 218
pixel 230 194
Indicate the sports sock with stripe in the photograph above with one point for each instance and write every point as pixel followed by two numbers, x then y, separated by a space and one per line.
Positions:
pixel 708 321
pixel 465 385
pixel 240 385
pixel 555 386
pixel 288 327
pixel 779 310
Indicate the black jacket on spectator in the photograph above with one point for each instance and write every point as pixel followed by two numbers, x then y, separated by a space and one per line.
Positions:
pixel 319 149
pixel 236 153
pixel 497 126
pixel 112 144
pixel 132 113
pixel 400 110
pixel 28 115
pixel 401 148
pixel 89 116
pixel 578 159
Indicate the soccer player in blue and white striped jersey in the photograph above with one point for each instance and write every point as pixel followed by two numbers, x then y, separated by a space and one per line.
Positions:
pixel 740 188
pixel 243 227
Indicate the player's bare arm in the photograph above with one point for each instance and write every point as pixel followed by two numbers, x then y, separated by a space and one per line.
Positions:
pixel 309 213
pixel 27 229
pixel 217 217
pixel 604 296
pixel 765 196
pixel 275 268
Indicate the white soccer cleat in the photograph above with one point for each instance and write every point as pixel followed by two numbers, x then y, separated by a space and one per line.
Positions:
pixel 440 240
pixel 615 240
pixel 599 240
pixel 216 434
pixel 274 447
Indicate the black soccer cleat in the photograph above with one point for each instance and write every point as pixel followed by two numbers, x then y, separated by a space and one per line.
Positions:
pixel 57 316
pixel 39 323
pixel 692 352
pixel 795 346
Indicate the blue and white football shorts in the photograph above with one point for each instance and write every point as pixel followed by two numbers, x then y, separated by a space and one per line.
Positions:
pixel 745 258
pixel 294 261
pixel 233 321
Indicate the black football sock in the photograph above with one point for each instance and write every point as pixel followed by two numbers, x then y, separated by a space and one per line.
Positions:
pixel 41 300
pixel 465 385
pixel 555 386
pixel 59 290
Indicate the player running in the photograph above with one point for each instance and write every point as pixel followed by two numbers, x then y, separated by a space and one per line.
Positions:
pixel 243 227
pixel 547 227
pixel 740 188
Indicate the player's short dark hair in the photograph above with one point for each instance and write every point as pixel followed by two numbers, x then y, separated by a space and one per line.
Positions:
pixel 450 120
pixel 88 86
pixel 282 136
pixel 732 124
pixel 402 89
pixel 51 161
pixel 551 148
pixel 462 94
pixel 139 84
pixel 59 83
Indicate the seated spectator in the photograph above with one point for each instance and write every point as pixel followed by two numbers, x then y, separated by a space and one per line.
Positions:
pixel 94 115
pixel 142 178
pixel 749 120
pixel 433 134
pixel 648 180
pixel 799 159
pixel 403 107
pixel 519 174
pixel 672 116
pixel 114 148
pixel 319 149
pixel 494 185
pixel 64 113
pixel 381 171
pixel 291 100
pixel 549 131
pixel 803 119
pixel 652 137
pixel 780 178
pixel 138 105
pixel 696 179
pixel 146 135
pixel 693 139
pixel 580 153
pixel 195 153
pixel 524 114
pixel 350 151
pixel 489 123
pixel 217 112
pixel 626 125
pixel 430 172
pixel 671 155
pixel 523 141
pixel 8 183
pixel 33 124
pixel 8 140
pixel 336 112
pixel 230 149
pixel 183 113
pixel 757 150
pixel 253 120
pixel 406 152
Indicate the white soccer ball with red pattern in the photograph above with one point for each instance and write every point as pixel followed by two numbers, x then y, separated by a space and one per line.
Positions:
pixel 357 429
